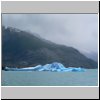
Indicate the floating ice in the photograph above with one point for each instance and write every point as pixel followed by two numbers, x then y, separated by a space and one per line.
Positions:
pixel 54 67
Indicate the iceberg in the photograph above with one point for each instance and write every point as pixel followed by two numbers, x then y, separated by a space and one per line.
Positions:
pixel 53 67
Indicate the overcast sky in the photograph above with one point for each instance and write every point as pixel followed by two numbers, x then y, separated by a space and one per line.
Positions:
pixel 76 30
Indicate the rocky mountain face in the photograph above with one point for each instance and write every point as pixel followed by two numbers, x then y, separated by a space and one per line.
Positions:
pixel 22 49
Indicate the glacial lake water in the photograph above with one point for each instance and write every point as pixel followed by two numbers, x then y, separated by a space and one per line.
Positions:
pixel 33 78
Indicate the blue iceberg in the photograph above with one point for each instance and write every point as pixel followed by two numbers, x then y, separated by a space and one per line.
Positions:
pixel 53 67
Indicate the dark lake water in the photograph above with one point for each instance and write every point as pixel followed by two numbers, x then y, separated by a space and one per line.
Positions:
pixel 33 78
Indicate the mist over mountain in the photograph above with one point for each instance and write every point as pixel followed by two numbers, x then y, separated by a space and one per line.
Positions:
pixel 92 55
pixel 22 49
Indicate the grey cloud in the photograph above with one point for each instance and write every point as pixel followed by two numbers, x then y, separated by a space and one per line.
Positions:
pixel 77 30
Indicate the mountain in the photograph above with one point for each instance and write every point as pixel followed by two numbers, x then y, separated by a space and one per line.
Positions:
pixel 54 67
pixel 92 55
pixel 22 49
